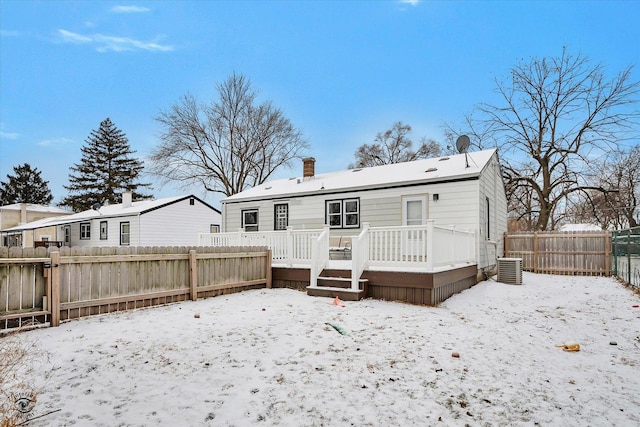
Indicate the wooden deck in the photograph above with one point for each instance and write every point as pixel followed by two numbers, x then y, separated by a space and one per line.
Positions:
pixel 421 288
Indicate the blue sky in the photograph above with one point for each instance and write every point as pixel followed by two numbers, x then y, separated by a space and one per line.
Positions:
pixel 341 71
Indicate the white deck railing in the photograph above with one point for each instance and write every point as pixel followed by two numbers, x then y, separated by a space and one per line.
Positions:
pixel 426 247
pixel 360 251
pixel 319 256
pixel 288 246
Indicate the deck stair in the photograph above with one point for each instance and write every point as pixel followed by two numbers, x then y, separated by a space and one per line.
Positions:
pixel 337 283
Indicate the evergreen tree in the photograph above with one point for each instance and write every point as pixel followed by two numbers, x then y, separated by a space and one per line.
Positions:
pixel 26 186
pixel 106 170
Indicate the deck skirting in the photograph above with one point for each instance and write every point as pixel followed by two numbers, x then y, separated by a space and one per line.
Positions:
pixel 419 288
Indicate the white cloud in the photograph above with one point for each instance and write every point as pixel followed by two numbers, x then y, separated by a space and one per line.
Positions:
pixel 104 43
pixel 70 37
pixel 129 9
pixel 9 135
pixel 55 142
pixel 411 2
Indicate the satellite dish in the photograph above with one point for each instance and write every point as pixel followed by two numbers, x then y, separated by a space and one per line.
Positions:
pixel 462 143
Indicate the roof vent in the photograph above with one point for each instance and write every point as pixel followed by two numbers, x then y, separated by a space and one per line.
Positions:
pixel 356 170
pixel 431 170
pixel 443 159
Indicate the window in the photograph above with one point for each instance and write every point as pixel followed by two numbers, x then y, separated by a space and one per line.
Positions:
pixel 192 201
pixel 67 235
pixel 488 220
pixel 85 231
pixel 103 230
pixel 281 216
pixel 250 220
pixel 414 210
pixel 343 213
pixel 214 228
pixel 125 233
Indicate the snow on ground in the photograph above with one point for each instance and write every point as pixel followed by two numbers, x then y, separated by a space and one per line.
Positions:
pixel 267 357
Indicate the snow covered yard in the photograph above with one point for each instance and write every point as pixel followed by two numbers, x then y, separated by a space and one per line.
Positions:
pixel 267 357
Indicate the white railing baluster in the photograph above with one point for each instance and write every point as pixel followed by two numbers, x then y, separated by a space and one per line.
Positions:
pixel 426 247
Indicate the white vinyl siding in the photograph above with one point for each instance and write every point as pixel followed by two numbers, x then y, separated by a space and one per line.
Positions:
pixel 177 224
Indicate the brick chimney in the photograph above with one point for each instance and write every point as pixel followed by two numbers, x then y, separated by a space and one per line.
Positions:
pixel 308 168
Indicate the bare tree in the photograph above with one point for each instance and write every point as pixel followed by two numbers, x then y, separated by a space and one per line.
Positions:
pixel 227 146
pixel 394 146
pixel 479 134
pixel 619 206
pixel 558 114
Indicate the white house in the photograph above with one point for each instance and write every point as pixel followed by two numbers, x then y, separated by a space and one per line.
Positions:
pixel 417 231
pixel 464 191
pixel 173 221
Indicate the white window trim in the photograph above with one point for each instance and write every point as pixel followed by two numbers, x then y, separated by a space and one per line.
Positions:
pixel 85 226
pixel 343 212
pixel 406 199
pixel 256 225
pixel 106 230
pixel 127 234
pixel 275 216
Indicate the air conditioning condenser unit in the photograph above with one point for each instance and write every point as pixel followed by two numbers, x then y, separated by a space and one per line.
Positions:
pixel 510 271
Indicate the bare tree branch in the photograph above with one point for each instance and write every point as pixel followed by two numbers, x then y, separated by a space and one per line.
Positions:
pixel 226 146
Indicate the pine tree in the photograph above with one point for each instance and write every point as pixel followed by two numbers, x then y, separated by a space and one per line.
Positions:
pixel 106 170
pixel 26 186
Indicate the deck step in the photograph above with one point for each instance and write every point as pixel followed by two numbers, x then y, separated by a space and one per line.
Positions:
pixel 332 292
pixel 339 282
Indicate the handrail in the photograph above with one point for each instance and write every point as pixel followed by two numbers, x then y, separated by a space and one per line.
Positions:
pixel 319 256
pixel 359 256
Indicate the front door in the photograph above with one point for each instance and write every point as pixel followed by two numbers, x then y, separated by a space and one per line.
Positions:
pixel 414 212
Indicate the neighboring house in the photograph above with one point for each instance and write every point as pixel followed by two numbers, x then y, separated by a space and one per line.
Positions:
pixel 461 191
pixel 173 221
pixel 22 213
pixel 580 227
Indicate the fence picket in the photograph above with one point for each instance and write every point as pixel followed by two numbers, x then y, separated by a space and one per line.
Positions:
pixel 569 253
pixel 91 281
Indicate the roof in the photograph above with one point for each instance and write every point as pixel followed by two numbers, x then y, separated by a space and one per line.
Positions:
pixel 110 211
pixel 426 171
pixel 580 227
pixel 36 208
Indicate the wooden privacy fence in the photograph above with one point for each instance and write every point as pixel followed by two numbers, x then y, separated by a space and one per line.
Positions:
pixel 569 253
pixel 53 284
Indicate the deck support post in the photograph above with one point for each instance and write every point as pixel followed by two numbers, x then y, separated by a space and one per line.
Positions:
pixel 430 244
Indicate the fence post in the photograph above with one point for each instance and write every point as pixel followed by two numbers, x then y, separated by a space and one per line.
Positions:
pixel 607 254
pixel 55 289
pixel 269 278
pixel 535 252
pixel 193 275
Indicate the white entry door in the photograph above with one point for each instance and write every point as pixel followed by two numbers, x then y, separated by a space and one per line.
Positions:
pixel 414 212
